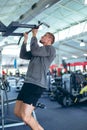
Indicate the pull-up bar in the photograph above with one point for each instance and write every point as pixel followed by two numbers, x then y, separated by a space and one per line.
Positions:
pixel 9 30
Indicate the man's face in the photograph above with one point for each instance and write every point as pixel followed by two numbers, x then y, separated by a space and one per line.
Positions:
pixel 45 39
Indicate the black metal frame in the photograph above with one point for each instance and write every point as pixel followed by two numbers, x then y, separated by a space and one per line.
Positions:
pixel 9 30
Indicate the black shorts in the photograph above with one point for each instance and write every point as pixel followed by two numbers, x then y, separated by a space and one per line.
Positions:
pixel 30 93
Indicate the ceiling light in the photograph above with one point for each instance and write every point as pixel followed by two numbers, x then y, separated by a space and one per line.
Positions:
pixel 85 2
pixel 64 58
pixel 47 5
pixel 85 54
pixel 75 56
pixel 0 33
pixel 82 43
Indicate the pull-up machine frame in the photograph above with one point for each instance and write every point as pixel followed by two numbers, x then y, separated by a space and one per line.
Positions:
pixel 9 30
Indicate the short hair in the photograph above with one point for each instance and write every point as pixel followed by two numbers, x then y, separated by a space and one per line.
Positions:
pixel 52 37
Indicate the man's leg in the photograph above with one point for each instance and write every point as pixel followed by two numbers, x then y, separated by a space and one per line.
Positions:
pixel 24 111
pixel 26 114
pixel 17 108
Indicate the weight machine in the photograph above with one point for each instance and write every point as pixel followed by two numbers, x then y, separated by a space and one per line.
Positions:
pixel 9 31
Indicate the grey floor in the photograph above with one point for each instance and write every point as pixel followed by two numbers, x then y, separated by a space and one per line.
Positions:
pixel 53 117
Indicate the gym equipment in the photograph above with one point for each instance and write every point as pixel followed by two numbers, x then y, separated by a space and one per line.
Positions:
pixel 56 82
pixel 73 89
pixel 9 30
pixel 36 27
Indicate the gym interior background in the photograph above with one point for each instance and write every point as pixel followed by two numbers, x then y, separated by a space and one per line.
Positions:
pixel 66 97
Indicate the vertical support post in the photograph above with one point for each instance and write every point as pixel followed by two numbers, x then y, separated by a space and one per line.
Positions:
pixel 2 108
pixel 1 91
pixel 34 115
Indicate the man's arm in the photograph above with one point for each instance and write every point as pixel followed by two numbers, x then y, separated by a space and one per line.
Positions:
pixel 24 54
pixel 36 50
pixel 43 51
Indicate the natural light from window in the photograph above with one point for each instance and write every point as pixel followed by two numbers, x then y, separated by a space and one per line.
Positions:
pixel 72 31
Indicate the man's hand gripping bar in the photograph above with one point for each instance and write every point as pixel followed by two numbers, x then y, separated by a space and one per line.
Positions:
pixel 35 27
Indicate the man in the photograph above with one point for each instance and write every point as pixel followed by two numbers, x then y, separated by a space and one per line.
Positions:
pixel 36 77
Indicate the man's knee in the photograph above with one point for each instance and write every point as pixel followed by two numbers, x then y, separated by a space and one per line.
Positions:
pixel 26 118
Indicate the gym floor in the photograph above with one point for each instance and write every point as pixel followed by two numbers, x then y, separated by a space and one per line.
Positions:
pixel 53 117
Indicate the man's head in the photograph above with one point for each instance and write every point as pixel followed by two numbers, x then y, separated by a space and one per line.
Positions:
pixel 47 39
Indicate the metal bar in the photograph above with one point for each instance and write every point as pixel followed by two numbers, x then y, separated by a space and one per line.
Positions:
pixel 1 91
pixel 17 24
pixel 16 34
pixel 2 27
pixel 39 24
pixel 2 108
pixel 34 115
pixel 26 26
pixel 13 26
pixel 13 125
pixel 17 124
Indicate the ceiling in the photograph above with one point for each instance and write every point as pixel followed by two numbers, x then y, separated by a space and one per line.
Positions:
pixel 58 14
